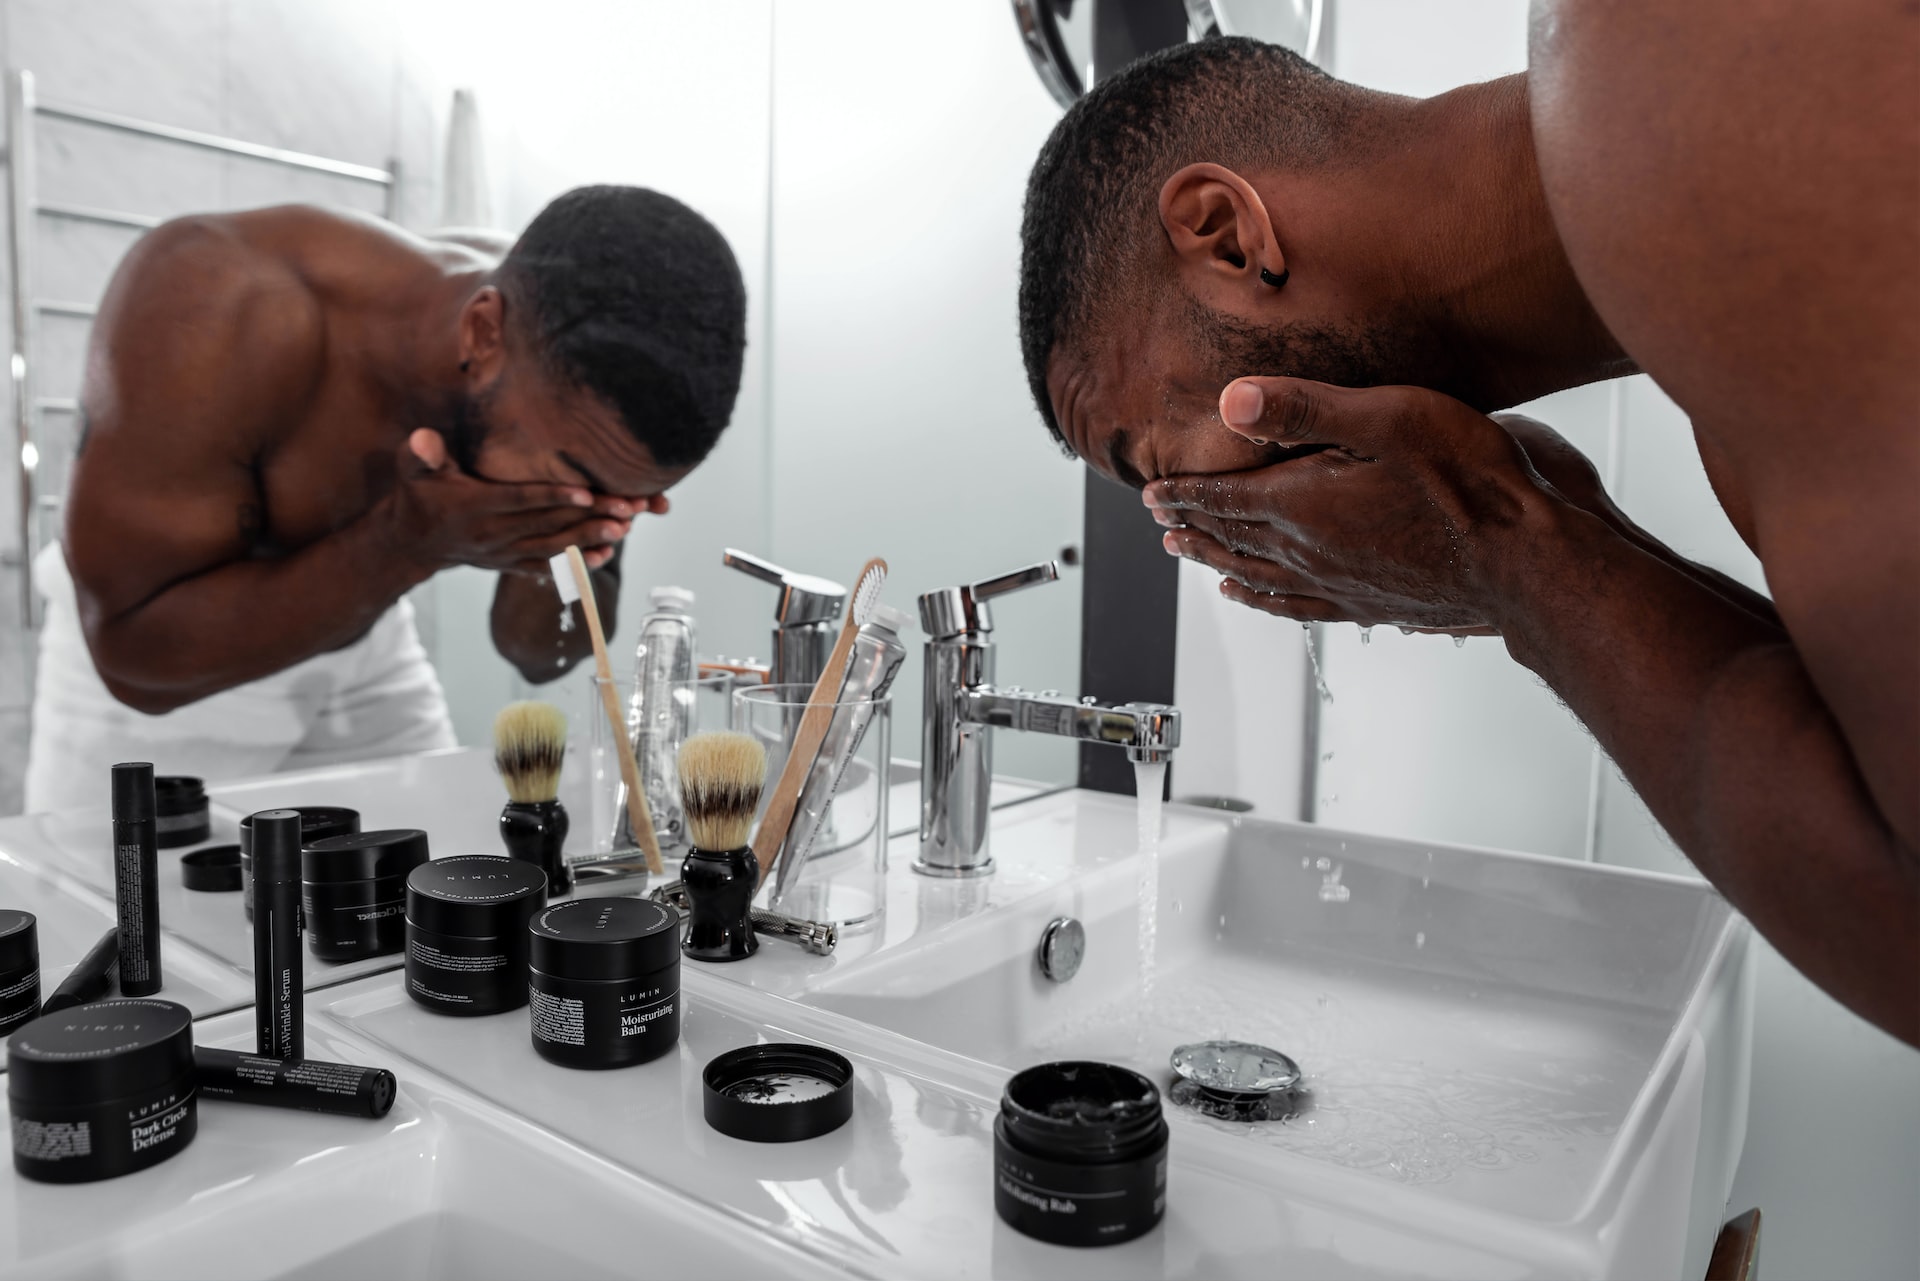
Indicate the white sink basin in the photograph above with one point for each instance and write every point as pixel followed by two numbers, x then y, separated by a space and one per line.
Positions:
pixel 1558 1046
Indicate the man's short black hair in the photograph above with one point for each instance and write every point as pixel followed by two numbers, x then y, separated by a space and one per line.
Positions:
pixel 630 295
pixel 1093 197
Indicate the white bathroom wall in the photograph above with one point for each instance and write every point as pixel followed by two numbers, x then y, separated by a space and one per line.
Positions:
pixel 1432 742
pixel 621 92
pixel 902 426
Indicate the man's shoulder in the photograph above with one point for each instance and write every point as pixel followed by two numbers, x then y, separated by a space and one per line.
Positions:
pixel 212 288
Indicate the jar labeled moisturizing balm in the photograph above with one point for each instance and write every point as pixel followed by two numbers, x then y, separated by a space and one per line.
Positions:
pixel 604 975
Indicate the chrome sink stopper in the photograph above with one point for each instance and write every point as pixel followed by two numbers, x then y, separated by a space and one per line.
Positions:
pixel 1235 1081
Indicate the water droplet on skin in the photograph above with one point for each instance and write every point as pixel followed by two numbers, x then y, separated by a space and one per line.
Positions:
pixel 1406 631
pixel 1366 635
pixel 1459 642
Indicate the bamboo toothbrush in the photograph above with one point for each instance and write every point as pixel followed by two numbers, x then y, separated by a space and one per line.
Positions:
pixel 818 718
pixel 637 814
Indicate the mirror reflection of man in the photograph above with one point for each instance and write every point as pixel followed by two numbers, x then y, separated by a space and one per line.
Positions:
pixel 1717 194
pixel 292 417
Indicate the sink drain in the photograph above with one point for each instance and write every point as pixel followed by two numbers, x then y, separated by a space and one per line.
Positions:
pixel 1235 1081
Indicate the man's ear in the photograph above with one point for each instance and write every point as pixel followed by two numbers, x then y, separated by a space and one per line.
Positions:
pixel 483 337
pixel 1221 235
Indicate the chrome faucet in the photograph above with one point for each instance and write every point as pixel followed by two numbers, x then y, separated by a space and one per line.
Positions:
pixel 805 619
pixel 962 707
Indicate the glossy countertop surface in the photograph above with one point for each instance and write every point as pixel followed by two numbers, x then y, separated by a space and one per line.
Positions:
pixel 1595 1015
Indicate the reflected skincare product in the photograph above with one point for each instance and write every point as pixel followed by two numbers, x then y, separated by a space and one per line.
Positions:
pixel 467 932
pixel 181 815
pixel 316 823
pixel 19 969
pixel 354 890
pixel 305 1085
pixel 101 1090
pixel 1080 1154
pixel 604 981
pixel 90 980
pixel 136 892
pixel 279 1016
pixel 529 749
pixel 660 712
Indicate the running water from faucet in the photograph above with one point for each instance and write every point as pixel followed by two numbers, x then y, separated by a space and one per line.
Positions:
pixel 1149 780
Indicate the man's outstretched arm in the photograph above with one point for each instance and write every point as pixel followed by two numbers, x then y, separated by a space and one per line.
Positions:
pixel 1788 780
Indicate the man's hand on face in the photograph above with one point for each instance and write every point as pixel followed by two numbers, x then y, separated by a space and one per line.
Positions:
pixel 449 518
pixel 1403 513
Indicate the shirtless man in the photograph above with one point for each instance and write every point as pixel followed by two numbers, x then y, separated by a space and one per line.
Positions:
pixel 293 417
pixel 1721 193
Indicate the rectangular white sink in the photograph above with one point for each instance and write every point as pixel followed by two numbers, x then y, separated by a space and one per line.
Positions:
pixel 1521 1044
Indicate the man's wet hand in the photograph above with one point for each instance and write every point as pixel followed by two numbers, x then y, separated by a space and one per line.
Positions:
pixel 441 516
pixel 1401 515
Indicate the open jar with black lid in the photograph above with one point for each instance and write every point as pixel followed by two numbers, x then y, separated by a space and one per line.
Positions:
pixel 1080 1154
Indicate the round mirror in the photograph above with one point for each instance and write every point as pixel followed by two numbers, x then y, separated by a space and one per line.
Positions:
pixel 1077 43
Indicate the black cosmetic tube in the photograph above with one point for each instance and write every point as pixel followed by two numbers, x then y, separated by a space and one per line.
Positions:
pixel 136 874
pixel 279 1016
pixel 90 980
pixel 305 1085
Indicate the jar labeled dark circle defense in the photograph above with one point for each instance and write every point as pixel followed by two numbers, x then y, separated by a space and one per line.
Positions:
pixel 467 932
pixel 604 981
pixel 353 891
pixel 317 822
pixel 19 969
pixel 101 1090
pixel 180 812
pixel 1080 1154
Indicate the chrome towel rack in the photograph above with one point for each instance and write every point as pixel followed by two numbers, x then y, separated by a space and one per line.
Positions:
pixel 25 208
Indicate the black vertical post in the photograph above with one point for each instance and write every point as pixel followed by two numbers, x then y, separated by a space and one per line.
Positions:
pixel 1129 601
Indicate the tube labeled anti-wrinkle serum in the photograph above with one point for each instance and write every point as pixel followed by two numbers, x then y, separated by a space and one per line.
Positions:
pixel 278 1008
pixel 136 890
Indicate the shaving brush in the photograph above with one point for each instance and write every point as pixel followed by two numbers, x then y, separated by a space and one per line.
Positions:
pixel 529 746
pixel 720 780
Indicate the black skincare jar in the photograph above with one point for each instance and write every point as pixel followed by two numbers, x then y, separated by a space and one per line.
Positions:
pixel 353 891
pixel 101 1090
pixel 467 932
pixel 19 969
pixel 604 980
pixel 180 815
pixel 1080 1154
pixel 317 822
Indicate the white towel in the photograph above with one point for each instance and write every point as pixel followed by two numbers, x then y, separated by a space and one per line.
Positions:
pixel 377 697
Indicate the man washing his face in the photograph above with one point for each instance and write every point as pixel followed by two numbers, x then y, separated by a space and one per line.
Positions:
pixel 293 417
pixel 1718 194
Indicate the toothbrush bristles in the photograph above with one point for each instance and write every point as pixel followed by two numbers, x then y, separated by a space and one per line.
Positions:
pixel 866 593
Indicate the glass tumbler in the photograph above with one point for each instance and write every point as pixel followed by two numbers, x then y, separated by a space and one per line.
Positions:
pixel 655 734
pixel 833 867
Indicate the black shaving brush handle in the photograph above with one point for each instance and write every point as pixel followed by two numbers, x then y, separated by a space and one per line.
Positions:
pixel 720 885
pixel 535 832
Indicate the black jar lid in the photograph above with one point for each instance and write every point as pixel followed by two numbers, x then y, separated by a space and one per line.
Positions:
pixel 215 869
pixel 778 1093
pixel 19 940
pixel 106 1050
pixel 604 938
pixel 1082 1110
pixel 317 822
pixel 177 794
pixel 364 856
pixel 475 895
